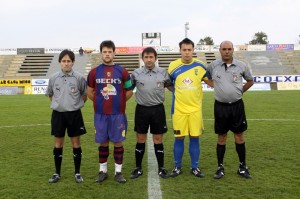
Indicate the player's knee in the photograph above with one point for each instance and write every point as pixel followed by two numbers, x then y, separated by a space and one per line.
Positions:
pixel 141 138
pixel 222 139
pixel 157 139
pixel 239 138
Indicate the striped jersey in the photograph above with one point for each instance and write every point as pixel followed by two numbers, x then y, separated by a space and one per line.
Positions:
pixel 110 84
pixel 187 81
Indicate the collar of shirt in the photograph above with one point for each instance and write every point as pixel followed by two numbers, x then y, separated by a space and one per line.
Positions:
pixel 145 70
pixel 233 63
pixel 62 74
pixel 183 63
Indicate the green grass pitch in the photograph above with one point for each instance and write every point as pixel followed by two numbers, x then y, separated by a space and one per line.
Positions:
pixel 272 144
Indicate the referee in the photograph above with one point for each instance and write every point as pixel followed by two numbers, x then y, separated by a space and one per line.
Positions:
pixel 150 82
pixel 67 92
pixel 227 75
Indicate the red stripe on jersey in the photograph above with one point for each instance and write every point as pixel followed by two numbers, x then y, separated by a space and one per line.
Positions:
pixel 108 104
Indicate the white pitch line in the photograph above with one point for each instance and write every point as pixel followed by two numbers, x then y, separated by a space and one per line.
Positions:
pixel 284 120
pixel 154 191
pixel 24 125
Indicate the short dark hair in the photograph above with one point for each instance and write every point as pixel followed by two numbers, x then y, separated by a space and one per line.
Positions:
pixel 108 44
pixel 149 50
pixel 186 41
pixel 66 52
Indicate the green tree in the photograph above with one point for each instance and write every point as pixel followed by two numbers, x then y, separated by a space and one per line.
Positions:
pixel 259 38
pixel 206 41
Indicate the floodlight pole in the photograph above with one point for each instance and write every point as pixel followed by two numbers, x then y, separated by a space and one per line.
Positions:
pixel 186 28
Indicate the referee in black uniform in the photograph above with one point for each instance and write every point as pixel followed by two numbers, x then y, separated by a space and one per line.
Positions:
pixel 227 75
pixel 150 82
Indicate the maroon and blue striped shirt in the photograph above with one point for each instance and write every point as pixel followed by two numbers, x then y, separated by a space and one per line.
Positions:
pixel 110 84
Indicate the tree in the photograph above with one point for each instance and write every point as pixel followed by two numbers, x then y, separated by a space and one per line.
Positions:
pixel 206 41
pixel 259 38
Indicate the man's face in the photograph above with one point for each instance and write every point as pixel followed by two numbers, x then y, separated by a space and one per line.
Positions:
pixel 226 51
pixel 149 60
pixel 186 52
pixel 66 64
pixel 107 55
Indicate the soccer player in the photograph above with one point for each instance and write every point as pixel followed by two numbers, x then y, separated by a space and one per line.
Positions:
pixel 67 92
pixel 187 74
pixel 227 75
pixel 150 82
pixel 109 87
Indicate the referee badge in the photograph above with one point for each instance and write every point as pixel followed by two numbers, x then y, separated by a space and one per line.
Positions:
pixel 73 89
pixel 160 85
pixel 234 76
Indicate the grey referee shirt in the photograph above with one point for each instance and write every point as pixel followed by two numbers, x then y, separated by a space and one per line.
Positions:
pixel 149 85
pixel 66 91
pixel 228 80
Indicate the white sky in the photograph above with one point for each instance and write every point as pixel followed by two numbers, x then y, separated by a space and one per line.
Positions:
pixel 74 23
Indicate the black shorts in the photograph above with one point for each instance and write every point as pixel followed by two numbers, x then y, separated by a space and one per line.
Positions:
pixel 230 117
pixel 71 120
pixel 153 116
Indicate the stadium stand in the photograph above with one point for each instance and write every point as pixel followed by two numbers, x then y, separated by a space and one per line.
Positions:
pixel 80 63
pixel 54 66
pixel 79 66
pixel 208 57
pixel 43 65
pixel 129 61
pixel 290 59
pixel 26 66
pixel 164 59
pixel 264 62
pixel 13 67
pixel 93 60
pixel 5 61
pixel 35 65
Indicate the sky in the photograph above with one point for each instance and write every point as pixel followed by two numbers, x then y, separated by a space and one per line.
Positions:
pixel 74 23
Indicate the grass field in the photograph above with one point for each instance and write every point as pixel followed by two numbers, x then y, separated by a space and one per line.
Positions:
pixel 272 142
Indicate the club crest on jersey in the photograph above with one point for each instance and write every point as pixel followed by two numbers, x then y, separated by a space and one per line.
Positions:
pixel 196 72
pixel 108 74
pixel 187 81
